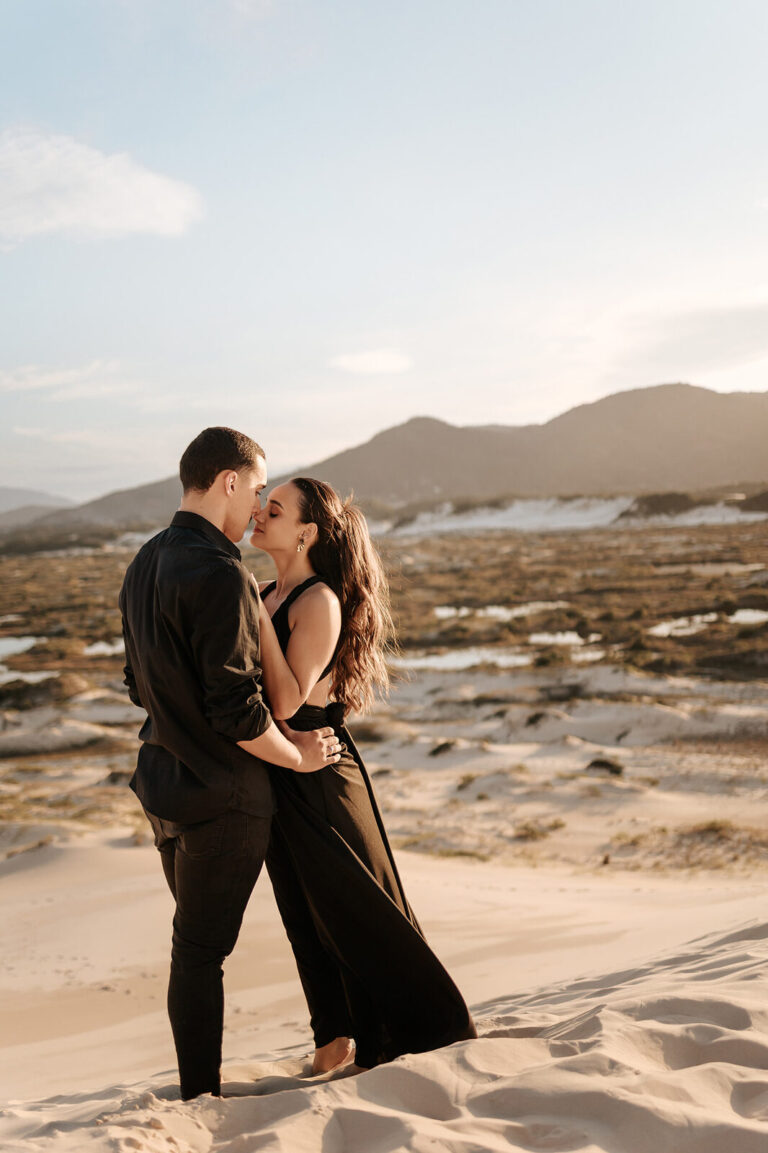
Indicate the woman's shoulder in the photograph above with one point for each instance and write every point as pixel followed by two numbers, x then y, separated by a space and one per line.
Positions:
pixel 318 598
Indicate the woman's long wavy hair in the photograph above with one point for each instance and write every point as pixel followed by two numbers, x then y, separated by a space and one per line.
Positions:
pixel 345 558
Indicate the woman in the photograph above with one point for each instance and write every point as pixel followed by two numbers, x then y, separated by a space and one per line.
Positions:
pixel 365 966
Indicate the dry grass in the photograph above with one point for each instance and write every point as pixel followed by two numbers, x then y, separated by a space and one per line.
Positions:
pixel 714 844
pixel 537 830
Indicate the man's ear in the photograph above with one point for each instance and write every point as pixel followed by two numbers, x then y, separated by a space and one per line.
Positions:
pixel 229 480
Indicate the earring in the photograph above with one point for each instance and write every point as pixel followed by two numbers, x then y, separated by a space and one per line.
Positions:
pixel 300 545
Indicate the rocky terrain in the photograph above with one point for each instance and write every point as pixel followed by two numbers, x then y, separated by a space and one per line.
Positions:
pixel 595 698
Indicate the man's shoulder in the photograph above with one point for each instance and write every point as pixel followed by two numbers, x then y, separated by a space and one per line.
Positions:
pixel 188 560
pixel 197 564
pixel 145 557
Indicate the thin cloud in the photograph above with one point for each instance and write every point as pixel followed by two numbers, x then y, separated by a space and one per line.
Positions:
pixel 94 381
pixel 88 462
pixel 699 340
pixel 379 360
pixel 34 377
pixel 252 9
pixel 91 437
pixel 95 390
pixel 56 184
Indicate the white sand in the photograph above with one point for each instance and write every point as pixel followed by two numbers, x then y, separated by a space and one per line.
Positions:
pixel 551 514
pixel 607 1022
pixel 621 992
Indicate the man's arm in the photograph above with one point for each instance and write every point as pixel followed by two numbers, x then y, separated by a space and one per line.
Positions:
pixel 129 679
pixel 304 752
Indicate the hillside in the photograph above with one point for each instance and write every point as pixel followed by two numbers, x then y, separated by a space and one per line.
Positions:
pixel 672 436
pixel 20 498
pixel 27 514
pixel 149 504
pixel 669 437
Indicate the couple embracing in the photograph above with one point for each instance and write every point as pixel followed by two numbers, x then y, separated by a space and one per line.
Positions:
pixel 245 759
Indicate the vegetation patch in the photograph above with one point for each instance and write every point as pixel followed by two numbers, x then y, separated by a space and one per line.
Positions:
pixel 605 765
pixel 443 747
pixel 714 844
pixel 465 781
pixel 537 830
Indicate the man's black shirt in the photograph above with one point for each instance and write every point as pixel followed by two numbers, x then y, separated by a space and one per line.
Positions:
pixel 191 629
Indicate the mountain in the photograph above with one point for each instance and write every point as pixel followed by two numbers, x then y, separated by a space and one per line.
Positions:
pixel 16 518
pixel 672 436
pixel 668 437
pixel 148 505
pixel 19 498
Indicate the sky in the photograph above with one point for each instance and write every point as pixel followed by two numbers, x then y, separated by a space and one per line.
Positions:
pixel 314 220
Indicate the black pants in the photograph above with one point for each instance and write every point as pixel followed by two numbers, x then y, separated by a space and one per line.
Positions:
pixel 211 869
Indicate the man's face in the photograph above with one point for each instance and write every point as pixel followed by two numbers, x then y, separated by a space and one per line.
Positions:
pixel 245 500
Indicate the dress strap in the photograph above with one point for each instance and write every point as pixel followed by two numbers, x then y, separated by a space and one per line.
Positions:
pixel 294 594
pixel 269 588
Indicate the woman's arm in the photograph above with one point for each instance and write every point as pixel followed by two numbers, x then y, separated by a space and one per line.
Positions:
pixel 289 679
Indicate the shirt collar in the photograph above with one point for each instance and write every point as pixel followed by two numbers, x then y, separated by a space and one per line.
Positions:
pixel 199 523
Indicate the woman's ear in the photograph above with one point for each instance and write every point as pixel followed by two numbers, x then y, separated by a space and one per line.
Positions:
pixel 310 533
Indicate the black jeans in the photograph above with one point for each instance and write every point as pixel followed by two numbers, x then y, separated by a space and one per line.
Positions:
pixel 211 868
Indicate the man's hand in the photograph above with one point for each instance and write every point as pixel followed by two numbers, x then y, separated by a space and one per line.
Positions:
pixel 318 748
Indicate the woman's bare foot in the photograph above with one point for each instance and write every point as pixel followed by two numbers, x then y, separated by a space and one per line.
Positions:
pixel 334 1055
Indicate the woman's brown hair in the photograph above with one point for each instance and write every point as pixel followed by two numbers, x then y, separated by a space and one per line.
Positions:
pixel 345 558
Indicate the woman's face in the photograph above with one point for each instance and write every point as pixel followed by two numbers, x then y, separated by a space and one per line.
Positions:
pixel 277 527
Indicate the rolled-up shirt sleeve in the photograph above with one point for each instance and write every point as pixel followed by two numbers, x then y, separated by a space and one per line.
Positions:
pixel 225 643
pixel 129 679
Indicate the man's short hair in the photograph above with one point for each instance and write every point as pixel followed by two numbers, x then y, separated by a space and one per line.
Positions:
pixel 213 451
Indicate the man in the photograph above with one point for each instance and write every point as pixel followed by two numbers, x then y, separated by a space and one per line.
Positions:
pixel 190 622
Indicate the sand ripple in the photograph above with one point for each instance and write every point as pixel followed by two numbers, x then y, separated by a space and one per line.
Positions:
pixel 671 1055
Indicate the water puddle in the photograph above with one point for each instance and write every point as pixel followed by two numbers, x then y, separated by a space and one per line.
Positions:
pixel 498 612
pixel 565 638
pixel 687 626
pixel 586 656
pixel 683 626
pixel 105 648
pixel 749 617
pixel 708 568
pixel 459 659
pixel 11 647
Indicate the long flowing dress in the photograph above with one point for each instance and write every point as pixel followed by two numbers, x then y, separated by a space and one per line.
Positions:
pixel 364 964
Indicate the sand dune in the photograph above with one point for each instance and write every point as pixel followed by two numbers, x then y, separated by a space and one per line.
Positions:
pixel 661 1046
pixel 671 1055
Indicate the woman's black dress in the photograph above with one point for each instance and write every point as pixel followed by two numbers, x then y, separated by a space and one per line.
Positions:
pixel 366 969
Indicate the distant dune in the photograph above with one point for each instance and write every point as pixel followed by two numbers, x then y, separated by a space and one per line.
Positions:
pixel 16 498
pixel 672 437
